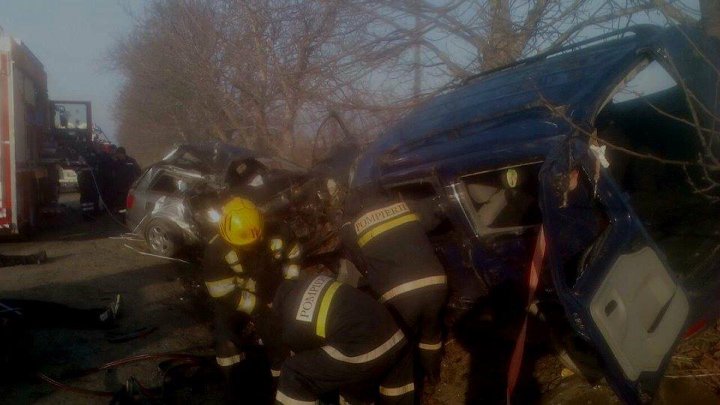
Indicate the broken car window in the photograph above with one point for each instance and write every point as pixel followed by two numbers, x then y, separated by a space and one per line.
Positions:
pixel 165 184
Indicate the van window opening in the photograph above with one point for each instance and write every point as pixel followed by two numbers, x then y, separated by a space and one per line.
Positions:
pixel 651 80
pixel 644 115
pixel 503 199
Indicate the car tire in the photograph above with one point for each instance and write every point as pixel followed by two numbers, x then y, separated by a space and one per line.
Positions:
pixel 163 238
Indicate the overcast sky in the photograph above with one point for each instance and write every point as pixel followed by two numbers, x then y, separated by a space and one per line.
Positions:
pixel 72 39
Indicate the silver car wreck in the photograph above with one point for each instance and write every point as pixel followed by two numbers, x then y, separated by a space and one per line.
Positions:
pixel 174 200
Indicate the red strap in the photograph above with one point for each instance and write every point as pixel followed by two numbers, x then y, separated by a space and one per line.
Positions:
pixel 533 281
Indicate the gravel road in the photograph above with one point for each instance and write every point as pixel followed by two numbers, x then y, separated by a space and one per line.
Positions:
pixel 87 267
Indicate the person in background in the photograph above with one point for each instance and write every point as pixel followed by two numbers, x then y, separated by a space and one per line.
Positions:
pixel 125 170
pixel 87 177
pixel 105 154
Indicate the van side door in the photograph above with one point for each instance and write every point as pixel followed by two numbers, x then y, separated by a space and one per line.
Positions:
pixel 615 284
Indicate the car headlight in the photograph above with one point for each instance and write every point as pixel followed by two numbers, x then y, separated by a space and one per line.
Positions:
pixel 213 215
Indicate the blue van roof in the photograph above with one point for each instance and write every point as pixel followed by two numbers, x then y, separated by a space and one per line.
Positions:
pixel 577 79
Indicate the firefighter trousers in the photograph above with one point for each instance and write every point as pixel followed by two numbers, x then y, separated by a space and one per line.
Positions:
pixel 89 194
pixel 420 314
pixel 309 375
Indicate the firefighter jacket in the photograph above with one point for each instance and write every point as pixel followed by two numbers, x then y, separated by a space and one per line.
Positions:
pixel 344 341
pixel 245 280
pixel 388 237
pixel 322 312
pixel 125 171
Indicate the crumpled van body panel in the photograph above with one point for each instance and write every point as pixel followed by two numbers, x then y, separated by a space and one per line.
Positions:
pixel 522 120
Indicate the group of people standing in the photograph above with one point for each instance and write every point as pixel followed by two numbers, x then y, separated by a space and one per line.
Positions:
pixel 108 175
pixel 324 337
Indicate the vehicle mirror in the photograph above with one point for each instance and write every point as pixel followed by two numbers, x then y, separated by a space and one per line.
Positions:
pixel 213 215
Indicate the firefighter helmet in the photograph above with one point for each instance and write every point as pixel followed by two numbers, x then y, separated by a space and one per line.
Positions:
pixel 241 223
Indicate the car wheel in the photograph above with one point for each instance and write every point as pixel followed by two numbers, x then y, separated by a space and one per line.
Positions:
pixel 162 238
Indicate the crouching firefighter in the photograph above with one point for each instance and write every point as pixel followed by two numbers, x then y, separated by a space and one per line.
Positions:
pixel 242 267
pixel 344 341
pixel 388 237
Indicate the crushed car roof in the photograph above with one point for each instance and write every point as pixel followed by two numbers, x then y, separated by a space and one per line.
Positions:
pixel 210 157
pixel 216 158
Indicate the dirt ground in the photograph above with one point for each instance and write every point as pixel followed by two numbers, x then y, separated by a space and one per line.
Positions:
pixel 693 377
pixel 89 264
pixel 87 267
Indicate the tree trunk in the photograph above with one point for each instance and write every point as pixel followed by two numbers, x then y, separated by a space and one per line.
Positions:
pixel 710 20
pixel 417 80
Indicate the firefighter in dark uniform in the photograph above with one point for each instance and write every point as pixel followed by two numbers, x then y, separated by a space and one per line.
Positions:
pixel 87 176
pixel 242 267
pixel 105 175
pixel 388 237
pixel 343 340
pixel 125 171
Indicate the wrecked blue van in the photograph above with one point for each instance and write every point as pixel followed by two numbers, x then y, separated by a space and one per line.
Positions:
pixel 607 146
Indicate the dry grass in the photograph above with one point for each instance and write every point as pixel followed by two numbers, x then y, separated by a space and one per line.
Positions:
pixel 699 358
pixel 695 364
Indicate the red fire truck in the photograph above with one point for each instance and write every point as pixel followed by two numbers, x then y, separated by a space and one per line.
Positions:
pixel 38 138
pixel 23 121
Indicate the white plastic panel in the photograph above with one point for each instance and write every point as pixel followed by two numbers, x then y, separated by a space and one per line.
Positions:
pixel 640 311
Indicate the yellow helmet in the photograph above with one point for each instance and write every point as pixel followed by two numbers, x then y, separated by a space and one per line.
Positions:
pixel 241 223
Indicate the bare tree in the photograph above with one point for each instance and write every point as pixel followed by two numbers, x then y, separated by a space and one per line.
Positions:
pixel 254 73
pixel 710 20
pixel 265 73
pixel 460 38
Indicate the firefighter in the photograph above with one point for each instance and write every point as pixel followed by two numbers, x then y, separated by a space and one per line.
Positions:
pixel 388 237
pixel 17 260
pixel 87 176
pixel 242 266
pixel 105 154
pixel 343 341
pixel 125 171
